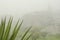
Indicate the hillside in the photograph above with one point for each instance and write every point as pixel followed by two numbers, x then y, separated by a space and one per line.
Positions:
pixel 43 19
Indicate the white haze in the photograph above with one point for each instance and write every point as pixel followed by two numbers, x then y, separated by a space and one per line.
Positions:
pixel 18 8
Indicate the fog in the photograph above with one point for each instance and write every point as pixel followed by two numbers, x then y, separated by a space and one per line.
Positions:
pixel 19 8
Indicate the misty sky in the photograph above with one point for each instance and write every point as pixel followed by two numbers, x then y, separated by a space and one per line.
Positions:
pixel 18 8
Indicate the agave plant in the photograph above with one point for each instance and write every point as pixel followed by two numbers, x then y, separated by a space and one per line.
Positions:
pixel 5 30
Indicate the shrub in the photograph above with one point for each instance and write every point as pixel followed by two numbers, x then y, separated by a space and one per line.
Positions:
pixel 5 30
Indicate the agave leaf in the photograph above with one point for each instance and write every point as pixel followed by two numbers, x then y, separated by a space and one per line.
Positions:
pixel 29 36
pixel 16 26
pixel 6 34
pixel 25 34
pixel 15 31
pixel 2 28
